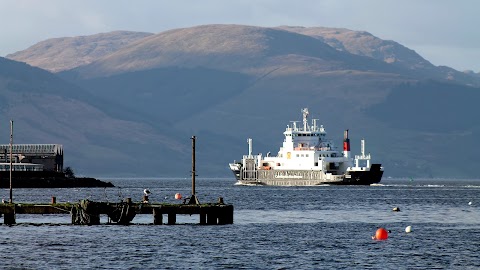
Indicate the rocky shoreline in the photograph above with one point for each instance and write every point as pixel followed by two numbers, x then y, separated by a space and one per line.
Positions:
pixel 48 180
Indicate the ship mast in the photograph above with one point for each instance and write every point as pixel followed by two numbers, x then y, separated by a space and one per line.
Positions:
pixel 363 156
pixel 305 120
pixel 314 122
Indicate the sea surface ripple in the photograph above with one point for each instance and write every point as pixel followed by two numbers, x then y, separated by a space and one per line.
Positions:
pixel 323 227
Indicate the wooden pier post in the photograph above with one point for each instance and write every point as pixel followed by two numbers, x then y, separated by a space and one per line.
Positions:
pixel 203 218
pixel 94 220
pixel 9 217
pixel 229 215
pixel 172 218
pixel 80 215
pixel 225 215
pixel 157 217
pixel 222 219
pixel 212 218
pixel 73 215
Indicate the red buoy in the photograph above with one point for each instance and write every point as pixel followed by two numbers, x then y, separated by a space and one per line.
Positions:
pixel 381 234
pixel 178 196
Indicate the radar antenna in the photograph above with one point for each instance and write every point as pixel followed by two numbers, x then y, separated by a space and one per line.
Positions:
pixel 305 116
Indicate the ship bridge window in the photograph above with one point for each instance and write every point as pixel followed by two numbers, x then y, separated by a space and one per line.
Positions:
pixel 306 155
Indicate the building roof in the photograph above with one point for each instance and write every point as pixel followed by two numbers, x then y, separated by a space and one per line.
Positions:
pixel 33 148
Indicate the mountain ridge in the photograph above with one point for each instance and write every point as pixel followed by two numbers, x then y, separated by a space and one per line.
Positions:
pixel 225 83
pixel 81 50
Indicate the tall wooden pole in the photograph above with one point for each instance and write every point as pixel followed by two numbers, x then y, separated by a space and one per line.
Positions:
pixel 193 198
pixel 11 161
pixel 193 165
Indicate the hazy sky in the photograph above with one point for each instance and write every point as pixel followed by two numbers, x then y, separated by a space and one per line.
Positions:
pixel 445 32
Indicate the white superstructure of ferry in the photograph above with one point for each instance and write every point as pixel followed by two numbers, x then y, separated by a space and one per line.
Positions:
pixel 306 158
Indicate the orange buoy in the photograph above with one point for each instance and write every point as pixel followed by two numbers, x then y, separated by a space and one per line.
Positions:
pixel 381 234
pixel 178 196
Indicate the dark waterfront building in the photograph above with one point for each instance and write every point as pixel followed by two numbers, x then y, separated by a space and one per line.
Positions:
pixel 32 157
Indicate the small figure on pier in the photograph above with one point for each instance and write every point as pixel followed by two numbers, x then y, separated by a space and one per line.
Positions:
pixel 146 192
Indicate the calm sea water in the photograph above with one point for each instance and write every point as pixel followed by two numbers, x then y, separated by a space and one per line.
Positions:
pixel 323 227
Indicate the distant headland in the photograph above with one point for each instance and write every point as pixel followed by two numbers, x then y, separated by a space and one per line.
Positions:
pixel 48 180
pixel 39 166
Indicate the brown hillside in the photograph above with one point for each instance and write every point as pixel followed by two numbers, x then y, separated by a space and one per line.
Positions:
pixel 248 49
pixel 58 54
pixel 365 44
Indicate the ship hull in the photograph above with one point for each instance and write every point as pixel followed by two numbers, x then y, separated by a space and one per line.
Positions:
pixel 308 177
pixel 373 176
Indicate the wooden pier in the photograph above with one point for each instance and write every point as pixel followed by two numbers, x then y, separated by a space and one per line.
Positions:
pixel 88 212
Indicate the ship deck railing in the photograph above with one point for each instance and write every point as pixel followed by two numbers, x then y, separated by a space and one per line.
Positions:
pixel 313 148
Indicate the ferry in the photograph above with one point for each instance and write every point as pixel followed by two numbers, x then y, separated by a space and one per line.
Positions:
pixel 307 158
